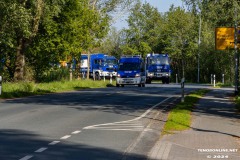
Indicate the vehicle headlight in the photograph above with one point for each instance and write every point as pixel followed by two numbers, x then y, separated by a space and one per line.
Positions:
pixel 150 74
pixel 118 75
pixel 137 75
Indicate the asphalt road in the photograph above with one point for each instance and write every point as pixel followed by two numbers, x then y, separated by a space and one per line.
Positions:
pixel 96 124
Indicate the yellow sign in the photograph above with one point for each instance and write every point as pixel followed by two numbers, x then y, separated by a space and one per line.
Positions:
pixel 224 38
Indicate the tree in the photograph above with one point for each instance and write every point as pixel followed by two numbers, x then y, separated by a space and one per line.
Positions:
pixel 215 14
pixel 179 39
pixel 19 25
pixel 144 24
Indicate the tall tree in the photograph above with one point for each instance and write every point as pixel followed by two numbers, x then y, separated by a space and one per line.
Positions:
pixel 144 24
pixel 179 38
pixel 20 19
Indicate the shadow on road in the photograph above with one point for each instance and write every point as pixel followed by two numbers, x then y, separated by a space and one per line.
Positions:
pixel 16 144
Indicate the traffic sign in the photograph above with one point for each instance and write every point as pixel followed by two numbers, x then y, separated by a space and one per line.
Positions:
pixel 224 38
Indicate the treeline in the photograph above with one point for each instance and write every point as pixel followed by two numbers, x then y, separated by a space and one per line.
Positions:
pixel 35 34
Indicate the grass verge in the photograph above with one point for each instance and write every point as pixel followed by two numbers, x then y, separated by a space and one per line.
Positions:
pixel 21 89
pixel 179 117
pixel 237 100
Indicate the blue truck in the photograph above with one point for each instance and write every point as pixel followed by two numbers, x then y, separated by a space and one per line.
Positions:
pixel 158 67
pixel 131 71
pixel 101 65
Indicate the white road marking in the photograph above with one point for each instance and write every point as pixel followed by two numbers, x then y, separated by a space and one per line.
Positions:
pixel 26 157
pixel 121 122
pixel 54 142
pixel 65 137
pixel 161 151
pixel 76 132
pixel 41 150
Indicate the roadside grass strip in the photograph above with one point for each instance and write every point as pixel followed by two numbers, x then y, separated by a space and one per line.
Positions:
pixel 22 89
pixel 179 118
pixel 237 100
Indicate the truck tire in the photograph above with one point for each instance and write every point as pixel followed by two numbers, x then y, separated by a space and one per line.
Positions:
pixel 139 85
pixel 143 85
pixel 117 85
pixel 168 80
pixel 97 76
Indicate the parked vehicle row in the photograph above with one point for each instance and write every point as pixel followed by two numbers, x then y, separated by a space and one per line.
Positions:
pixel 128 70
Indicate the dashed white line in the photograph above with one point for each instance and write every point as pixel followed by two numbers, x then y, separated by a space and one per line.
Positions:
pixel 65 137
pixel 41 150
pixel 54 142
pixel 76 132
pixel 26 157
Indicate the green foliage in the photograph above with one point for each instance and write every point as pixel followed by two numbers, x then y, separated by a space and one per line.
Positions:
pixel 144 25
pixel 43 32
pixel 55 74
pixel 237 100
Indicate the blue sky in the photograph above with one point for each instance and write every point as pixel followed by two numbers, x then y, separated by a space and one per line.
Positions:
pixel 162 5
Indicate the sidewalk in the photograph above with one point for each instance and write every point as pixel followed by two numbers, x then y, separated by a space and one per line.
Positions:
pixel 214 134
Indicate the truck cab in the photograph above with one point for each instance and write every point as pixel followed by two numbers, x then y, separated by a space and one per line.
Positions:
pixel 131 71
pixel 109 66
pixel 158 67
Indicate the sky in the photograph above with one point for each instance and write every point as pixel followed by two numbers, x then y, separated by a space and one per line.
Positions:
pixel 162 6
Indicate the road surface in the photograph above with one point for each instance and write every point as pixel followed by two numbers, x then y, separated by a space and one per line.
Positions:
pixel 95 124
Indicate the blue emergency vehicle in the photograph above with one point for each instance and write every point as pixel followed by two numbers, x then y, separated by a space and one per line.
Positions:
pixel 101 65
pixel 158 67
pixel 131 71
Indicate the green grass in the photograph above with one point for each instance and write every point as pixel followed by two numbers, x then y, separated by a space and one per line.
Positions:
pixel 224 85
pixel 179 117
pixel 21 89
pixel 237 100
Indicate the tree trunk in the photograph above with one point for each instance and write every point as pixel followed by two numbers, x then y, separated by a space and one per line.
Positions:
pixel 20 61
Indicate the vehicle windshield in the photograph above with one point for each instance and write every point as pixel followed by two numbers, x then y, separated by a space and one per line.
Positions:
pixel 129 66
pixel 159 60
pixel 110 61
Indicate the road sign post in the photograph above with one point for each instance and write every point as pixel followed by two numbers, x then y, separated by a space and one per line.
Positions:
pixel 236 55
pixel 227 38
pixel 182 86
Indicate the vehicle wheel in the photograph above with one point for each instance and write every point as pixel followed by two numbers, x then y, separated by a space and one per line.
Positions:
pixel 139 85
pixel 168 80
pixel 117 85
pixel 143 85
pixel 97 76
pixel 163 81
pixel 122 85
